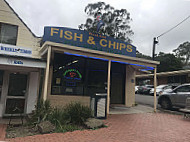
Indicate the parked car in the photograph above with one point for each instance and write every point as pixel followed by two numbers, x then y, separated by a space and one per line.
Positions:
pixel 161 88
pixel 177 97
pixel 144 89
pixel 136 89
pixel 169 89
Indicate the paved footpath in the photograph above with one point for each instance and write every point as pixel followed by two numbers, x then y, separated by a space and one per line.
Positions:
pixel 146 127
pixel 2 131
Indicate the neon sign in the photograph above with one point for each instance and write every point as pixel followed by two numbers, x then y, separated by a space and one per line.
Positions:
pixel 72 74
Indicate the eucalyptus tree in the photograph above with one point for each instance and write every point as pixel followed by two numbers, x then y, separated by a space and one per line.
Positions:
pixel 116 22
pixel 183 51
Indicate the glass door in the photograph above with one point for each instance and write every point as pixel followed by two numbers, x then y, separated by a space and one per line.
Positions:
pixel 17 90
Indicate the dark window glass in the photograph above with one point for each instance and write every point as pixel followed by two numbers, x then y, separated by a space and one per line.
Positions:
pixel 183 89
pixel 74 75
pixel 17 84
pixel 96 77
pixel 68 75
pixel 8 34
pixel 117 92
pixel 15 106
pixel 177 79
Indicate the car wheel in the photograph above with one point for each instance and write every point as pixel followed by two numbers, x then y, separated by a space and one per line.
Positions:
pixel 166 103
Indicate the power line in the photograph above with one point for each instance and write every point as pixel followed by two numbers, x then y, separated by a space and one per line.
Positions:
pixel 174 27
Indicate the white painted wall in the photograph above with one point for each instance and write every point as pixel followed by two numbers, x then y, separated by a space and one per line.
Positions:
pixel 25 37
pixel 32 91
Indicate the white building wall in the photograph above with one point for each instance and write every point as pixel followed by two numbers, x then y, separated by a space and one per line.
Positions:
pixel 32 91
pixel 27 40
pixel 25 37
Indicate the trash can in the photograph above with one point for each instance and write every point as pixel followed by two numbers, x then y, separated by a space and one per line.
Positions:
pixel 99 105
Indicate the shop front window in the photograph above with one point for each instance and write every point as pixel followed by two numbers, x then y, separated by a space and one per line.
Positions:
pixel 8 33
pixel 68 75
pixel 74 75
pixel 96 77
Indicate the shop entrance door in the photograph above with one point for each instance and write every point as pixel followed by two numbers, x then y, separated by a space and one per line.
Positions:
pixel 117 90
pixel 16 94
pixel 117 94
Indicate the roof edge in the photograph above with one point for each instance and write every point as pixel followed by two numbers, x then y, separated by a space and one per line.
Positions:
pixel 21 19
pixel 46 43
pixel 163 73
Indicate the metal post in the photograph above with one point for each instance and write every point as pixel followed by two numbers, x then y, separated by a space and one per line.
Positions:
pixel 155 84
pixel 154 45
pixel 108 86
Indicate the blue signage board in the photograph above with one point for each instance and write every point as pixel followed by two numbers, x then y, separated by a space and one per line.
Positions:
pixel 88 40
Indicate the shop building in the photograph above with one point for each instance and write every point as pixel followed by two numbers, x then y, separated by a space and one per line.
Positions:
pixel 20 64
pixel 81 64
pixel 77 65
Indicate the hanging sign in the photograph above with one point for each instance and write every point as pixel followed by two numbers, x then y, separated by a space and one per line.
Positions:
pixel 88 40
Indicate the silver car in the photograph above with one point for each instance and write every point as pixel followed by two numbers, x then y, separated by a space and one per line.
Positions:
pixel 160 89
pixel 177 97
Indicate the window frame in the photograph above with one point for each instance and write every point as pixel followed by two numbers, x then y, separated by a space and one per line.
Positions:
pixel 84 81
pixel 1 23
pixel 186 86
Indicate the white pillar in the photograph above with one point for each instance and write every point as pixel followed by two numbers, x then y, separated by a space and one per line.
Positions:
pixel 130 86
pixel 32 91
pixel 108 86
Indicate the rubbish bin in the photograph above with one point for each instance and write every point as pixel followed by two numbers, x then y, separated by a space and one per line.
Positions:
pixel 99 105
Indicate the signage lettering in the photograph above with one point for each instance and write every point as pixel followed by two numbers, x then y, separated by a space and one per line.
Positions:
pixel 85 39
pixel 17 50
pixel 18 62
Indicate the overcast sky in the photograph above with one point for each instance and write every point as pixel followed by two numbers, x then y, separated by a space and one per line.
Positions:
pixel 150 18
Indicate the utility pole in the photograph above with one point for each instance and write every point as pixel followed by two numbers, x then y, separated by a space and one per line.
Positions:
pixel 154 45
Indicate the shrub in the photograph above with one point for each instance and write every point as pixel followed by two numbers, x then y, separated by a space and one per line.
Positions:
pixel 42 112
pixel 57 117
pixel 76 113
pixel 68 127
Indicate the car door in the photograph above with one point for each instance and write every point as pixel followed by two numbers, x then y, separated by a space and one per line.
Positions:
pixel 181 94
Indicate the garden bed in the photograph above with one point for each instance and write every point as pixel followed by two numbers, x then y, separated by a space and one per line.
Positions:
pixel 46 119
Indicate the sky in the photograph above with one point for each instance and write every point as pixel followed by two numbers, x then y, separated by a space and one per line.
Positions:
pixel 150 18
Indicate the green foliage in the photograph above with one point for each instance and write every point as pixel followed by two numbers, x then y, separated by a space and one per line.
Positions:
pixel 69 118
pixel 57 117
pixel 76 113
pixel 168 62
pixel 140 55
pixel 42 112
pixel 183 51
pixel 116 22
pixel 67 128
